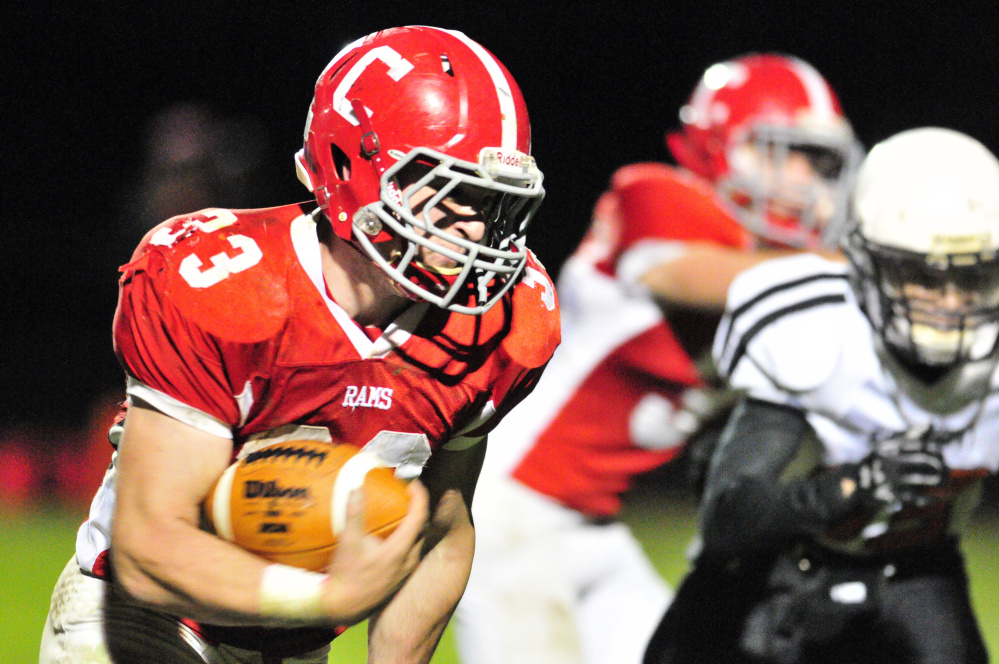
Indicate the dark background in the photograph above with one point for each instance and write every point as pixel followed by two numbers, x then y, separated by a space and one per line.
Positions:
pixel 81 82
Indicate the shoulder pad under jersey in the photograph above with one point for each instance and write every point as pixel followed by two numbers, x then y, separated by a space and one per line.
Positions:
pixel 225 271
pixel 782 324
pixel 522 328
pixel 659 202
pixel 535 329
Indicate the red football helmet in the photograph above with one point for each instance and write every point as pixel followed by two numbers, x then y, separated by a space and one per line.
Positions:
pixel 423 106
pixel 769 132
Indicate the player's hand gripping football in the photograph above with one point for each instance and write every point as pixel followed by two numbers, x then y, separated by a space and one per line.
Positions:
pixel 900 469
pixel 366 570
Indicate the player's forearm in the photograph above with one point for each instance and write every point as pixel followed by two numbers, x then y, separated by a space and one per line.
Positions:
pixel 179 569
pixel 701 277
pixel 409 628
pixel 199 576
pixel 758 513
pixel 159 555
pixel 749 502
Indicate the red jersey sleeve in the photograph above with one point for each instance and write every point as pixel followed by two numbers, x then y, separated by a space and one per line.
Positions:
pixel 534 334
pixel 656 201
pixel 185 333
pixel 651 203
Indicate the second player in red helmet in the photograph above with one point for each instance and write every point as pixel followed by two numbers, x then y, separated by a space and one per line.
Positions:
pixel 766 158
pixel 769 132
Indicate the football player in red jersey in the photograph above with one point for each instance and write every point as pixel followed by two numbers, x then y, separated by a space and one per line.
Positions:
pixel 400 311
pixel 766 158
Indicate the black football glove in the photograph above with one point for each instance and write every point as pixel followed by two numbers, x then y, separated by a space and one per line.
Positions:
pixel 900 469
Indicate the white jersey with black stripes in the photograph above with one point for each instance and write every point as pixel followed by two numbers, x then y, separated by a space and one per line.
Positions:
pixel 794 334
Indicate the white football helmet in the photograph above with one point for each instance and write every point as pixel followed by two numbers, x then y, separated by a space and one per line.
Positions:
pixel 925 230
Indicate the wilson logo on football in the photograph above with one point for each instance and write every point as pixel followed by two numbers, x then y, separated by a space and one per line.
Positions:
pixel 254 489
pixel 367 397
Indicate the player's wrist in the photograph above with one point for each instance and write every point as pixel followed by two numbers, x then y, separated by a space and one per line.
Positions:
pixel 293 597
pixel 344 603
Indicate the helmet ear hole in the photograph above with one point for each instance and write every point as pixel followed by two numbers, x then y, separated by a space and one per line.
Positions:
pixel 341 162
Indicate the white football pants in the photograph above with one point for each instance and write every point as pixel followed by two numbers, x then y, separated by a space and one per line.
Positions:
pixel 74 632
pixel 549 587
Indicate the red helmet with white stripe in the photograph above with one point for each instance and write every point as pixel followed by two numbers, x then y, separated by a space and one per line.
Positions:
pixel 768 130
pixel 421 106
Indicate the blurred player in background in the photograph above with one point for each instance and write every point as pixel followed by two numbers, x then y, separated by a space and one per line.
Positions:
pixel 833 504
pixel 194 158
pixel 407 280
pixel 767 160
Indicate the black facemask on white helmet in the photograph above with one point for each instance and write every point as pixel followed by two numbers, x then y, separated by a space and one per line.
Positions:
pixel 925 229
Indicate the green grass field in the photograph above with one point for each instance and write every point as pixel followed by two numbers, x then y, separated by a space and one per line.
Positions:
pixel 36 546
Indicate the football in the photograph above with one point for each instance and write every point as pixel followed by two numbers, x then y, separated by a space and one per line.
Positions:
pixel 287 501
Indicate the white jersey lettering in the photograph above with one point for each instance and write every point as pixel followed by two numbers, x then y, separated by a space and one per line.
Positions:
pixel 367 396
